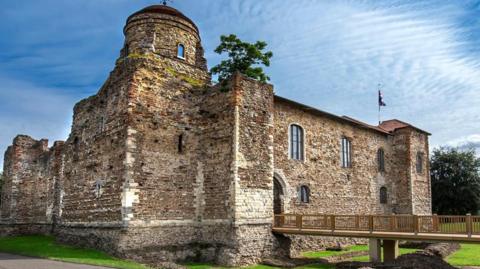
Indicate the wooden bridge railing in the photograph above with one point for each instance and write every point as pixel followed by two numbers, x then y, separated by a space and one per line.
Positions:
pixel 466 225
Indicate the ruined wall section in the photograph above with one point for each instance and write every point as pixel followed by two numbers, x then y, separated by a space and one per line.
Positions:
pixel 30 171
pixel 95 155
pixel 333 189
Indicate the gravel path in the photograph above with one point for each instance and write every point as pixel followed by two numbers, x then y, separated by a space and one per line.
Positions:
pixel 9 261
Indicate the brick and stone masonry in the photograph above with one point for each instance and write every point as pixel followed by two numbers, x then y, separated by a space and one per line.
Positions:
pixel 162 165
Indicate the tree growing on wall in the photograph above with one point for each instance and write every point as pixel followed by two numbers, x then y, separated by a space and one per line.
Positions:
pixel 243 57
pixel 455 178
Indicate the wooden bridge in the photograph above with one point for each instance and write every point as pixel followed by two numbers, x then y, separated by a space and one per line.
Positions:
pixel 383 228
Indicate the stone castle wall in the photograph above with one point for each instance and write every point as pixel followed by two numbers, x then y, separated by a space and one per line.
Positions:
pixel 161 165
pixel 333 189
pixel 354 190
pixel 94 156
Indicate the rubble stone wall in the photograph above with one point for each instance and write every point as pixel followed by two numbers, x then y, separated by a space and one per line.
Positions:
pixel 333 189
pixel 95 155
pixel 29 182
pixel 421 184
pixel 161 165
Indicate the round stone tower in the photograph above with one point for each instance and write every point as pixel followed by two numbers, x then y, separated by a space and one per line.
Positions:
pixel 165 32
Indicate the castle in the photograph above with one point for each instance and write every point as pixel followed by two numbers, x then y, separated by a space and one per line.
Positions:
pixel 161 164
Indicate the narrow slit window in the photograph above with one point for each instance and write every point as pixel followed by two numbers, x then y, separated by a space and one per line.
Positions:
pixel 181 51
pixel 296 143
pixel 381 160
pixel 420 162
pixel 180 143
pixel 346 153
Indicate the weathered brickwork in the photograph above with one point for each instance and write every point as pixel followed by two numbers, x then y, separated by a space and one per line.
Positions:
pixel 162 165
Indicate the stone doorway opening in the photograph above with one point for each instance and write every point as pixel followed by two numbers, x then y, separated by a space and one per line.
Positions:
pixel 278 195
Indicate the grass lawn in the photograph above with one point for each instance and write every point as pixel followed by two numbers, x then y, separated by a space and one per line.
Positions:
pixel 209 266
pixel 329 253
pixel 46 247
pixel 367 258
pixel 468 255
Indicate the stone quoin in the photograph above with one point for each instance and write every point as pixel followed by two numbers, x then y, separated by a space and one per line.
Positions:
pixel 162 165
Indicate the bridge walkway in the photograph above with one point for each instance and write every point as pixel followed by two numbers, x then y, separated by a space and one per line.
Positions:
pixel 383 230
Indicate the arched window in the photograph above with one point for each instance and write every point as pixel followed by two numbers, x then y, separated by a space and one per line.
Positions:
pixel 381 160
pixel 304 194
pixel 346 153
pixel 296 142
pixel 383 195
pixel 420 162
pixel 181 51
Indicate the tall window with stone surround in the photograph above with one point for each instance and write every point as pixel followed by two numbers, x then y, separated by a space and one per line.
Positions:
pixel 383 195
pixel 304 194
pixel 181 51
pixel 346 153
pixel 420 162
pixel 296 142
pixel 381 160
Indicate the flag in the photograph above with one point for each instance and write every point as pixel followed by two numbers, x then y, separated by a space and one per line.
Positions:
pixel 380 99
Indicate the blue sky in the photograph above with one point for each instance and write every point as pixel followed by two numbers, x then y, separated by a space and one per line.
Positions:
pixel 327 54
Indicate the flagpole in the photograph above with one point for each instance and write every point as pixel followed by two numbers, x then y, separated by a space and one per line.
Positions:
pixel 379 107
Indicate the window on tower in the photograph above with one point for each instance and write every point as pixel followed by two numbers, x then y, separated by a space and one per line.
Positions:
pixel 381 160
pixel 383 195
pixel 181 51
pixel 419 162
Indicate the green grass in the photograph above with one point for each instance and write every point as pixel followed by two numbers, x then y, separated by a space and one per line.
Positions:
pixel 46 247
pixel 317 266
pixel 209 266
pixel 367 258
pixel 468 255
pixel 329 253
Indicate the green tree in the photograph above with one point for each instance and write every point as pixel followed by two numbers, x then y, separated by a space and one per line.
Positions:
pixel 455 181
pixel 243 57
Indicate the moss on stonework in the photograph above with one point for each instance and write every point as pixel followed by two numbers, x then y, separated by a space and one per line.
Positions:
pixel 138 56
pixel 192 81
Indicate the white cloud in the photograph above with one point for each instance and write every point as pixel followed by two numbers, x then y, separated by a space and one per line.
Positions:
pixel 36 111
pixel 467 142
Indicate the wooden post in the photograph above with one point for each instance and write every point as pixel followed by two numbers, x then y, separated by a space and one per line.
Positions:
pixel 299 221
pixel 332 222
pixel 281 221
pixel 392 222
pixel 370 223
pixel 469 225
pixel 415 224
pixel 357 222
pixel 435 222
